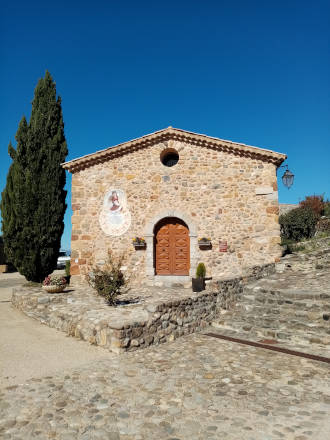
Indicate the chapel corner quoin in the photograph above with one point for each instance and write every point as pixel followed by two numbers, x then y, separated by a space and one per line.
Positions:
pixel 171 189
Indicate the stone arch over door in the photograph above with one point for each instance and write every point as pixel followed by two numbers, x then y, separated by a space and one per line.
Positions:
pixel 149 236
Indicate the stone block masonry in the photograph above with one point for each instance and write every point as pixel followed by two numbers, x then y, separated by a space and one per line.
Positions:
pixel 146 316
pixel 221 190
pixel 232 211
pixel 291 305
pixel 158 316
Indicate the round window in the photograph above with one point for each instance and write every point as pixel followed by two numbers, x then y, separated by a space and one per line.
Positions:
pixel 169 157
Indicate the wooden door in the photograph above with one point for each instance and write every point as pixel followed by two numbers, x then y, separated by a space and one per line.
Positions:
pixel 172 247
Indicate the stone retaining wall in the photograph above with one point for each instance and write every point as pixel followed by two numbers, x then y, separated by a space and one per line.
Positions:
pixel 168 321
pixel 160 315
pixel 316 244
pixel 159 319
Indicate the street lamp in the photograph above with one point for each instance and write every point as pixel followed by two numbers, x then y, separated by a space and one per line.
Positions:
pixel 287 177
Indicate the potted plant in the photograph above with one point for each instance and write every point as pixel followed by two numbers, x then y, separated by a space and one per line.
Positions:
pixel 54 284
pixel 198 283
pixel 139 242
pixel 204 242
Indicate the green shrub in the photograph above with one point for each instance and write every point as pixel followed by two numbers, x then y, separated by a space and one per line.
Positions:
pixel 67 268
pixel 201 270
pixel 323 225
pixel 298 224
pixel 326 211
pixel 108 281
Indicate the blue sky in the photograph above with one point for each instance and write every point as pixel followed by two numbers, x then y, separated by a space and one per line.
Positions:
pixel 249 71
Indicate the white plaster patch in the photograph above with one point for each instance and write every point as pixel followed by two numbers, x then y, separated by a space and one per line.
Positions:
pixel 115 217
pixel 263 190
pixel 273 196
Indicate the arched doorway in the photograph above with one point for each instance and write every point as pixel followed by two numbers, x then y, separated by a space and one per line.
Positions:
pixel 171 247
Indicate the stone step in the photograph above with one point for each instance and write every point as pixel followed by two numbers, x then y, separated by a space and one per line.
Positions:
pixel 309 315
pixel 239 320
pixel 289 302
pixel 275 321
pixel 313 313
pixel 316 302
pixel 259 293
pixel 291 305
pixel 275 325
pixel 282 334
pixel 303 346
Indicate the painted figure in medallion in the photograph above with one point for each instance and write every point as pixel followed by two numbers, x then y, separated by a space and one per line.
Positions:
pixel 114 200
pixel 115 217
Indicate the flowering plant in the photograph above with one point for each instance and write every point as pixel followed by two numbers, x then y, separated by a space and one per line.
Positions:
pixel 138 240
pixel 110 280
pixel 54 280
pixel 203 239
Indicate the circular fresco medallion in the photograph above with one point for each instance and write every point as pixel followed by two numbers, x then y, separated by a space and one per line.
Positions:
pixel 115 217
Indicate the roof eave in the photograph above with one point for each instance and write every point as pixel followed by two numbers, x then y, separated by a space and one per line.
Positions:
pixel 173 133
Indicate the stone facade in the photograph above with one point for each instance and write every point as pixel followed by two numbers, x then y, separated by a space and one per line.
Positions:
pixel 221 190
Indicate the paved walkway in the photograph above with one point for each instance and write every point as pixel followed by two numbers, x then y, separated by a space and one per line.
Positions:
pixel 28 349
pixel 195 388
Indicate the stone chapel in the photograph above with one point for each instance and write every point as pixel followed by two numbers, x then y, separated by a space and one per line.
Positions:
pixel 183 198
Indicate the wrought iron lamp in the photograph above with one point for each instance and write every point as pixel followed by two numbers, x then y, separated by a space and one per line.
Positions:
pixel 287 177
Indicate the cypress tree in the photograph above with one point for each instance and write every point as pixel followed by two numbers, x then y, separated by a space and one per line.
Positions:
pixel 10 197
pixel 33 201
pixel 7 209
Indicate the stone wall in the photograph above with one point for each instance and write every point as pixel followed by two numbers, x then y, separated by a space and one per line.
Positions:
pixel 81 314
pixel 220 195
pixel 169 321
pixel 316 244
pixel 287 207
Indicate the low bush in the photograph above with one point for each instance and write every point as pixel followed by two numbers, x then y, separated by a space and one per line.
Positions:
pixel 108 281
pixel 326 211
pixel 323 225
pixel 315 203
pixel 298 224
